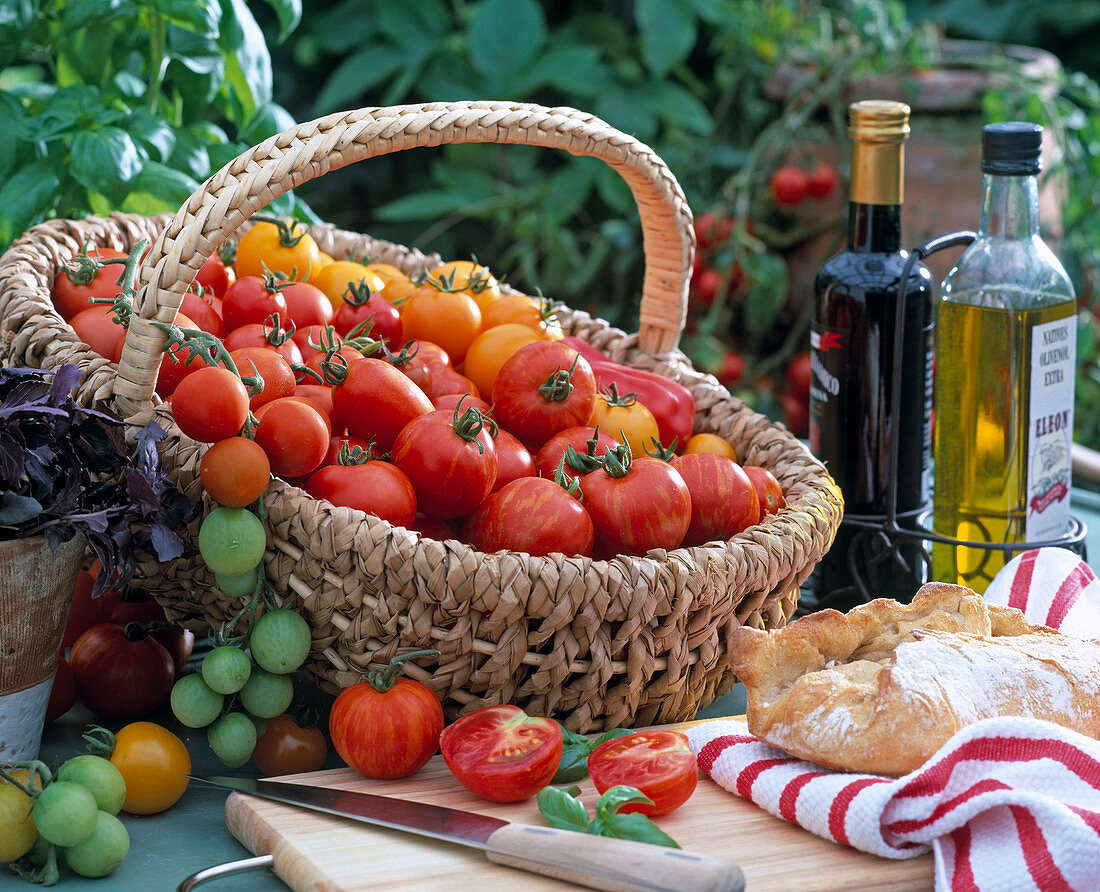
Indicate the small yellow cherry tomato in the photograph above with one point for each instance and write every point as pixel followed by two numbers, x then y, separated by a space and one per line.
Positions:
pixel 284 246
pixel 623 417
pixel 712 443
pixel 154 763
pixel 336 278
pixel 17 829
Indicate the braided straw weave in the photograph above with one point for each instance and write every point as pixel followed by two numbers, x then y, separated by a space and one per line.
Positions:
pixel 595 643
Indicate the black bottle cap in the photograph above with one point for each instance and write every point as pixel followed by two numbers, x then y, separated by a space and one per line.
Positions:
pixel 1013 148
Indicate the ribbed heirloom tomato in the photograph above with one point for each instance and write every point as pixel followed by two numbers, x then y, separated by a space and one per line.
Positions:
pixel 532 515
pixel 376 401
pixel 723 499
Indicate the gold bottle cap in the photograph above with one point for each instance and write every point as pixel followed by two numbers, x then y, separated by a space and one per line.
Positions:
pixel 878 120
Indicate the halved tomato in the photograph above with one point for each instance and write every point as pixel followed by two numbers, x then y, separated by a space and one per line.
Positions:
pixel 659 763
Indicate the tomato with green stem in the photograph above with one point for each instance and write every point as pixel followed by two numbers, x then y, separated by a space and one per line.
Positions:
pixel 361 305
pixel 86 278
pixel 65 813
pixel 98 327
pixel 210 404
pixel 253 298
pixel 277 244
pixel 153 762
pixel 623 415
pixel 377 401
pixel 366 484
pixel 225 669
pixel 590 445
pixel 267 335
pixel 502 754
pixel 533 515
pixel 306 304
pixel 280 641
pixel 194 703
pixel 658 762
pixel 768 489
pixel 387 725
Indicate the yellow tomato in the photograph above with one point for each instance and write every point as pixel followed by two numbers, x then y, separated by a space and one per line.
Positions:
pixel 336 278
pixel 17 830
pixel 491 349
pixel 286 247
pixel 623 417
pixel 705 442
pixel 533 312
pixel 386 270
pixel 450 319
pixel 154 763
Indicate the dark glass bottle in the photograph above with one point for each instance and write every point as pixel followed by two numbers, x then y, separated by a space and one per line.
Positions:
pixel 854 422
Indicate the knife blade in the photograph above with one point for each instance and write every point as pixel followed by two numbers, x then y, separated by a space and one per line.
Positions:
pixel 599 862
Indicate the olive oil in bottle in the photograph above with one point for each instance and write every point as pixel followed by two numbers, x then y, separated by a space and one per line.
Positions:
pixel 1005 363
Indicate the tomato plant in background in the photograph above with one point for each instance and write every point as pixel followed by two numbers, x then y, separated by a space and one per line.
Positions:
pixel 502 754
pixel 658 762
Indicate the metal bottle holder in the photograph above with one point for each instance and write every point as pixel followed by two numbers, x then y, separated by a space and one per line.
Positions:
pixel 891 537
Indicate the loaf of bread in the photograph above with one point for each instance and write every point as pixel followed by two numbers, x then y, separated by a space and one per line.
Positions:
pixel 881 688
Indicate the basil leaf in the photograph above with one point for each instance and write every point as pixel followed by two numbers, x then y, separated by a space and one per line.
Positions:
pixel 561 810
pixel 637 827
pixel 616 797
pixel 106 161
pixel 288 13
pixel 574 757
pixel 613 734
pixel 16 509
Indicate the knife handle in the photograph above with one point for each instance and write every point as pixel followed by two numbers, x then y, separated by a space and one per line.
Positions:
pixel 603 862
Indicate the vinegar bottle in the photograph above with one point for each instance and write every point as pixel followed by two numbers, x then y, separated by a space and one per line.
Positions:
pixel 854 422
pixel 1005 362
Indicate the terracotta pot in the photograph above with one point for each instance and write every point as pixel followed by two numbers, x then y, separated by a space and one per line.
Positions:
pixel 943 180
pixel 36 586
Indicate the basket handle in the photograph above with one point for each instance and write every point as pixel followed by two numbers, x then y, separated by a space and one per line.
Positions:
pixel 289 159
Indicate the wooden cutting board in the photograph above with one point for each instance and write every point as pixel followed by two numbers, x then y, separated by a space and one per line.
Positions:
pixel 313 851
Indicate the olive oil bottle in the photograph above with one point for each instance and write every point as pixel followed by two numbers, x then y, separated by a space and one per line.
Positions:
pixel 1005 364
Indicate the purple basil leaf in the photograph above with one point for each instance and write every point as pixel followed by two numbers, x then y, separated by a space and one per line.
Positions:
pixel 16 509
pixel 166 543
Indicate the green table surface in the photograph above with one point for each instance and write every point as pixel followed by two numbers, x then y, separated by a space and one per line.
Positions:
pixel 192 835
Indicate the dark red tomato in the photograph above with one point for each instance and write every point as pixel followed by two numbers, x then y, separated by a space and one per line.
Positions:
pixel 286 747
pixel 178 642
pixel 658 762
pixel 203 313
pixel 120 672
pixel 417 371
pixel 789 185
pixel 706 285
pixel 723 499
pixel 84 610
pixel 541 389
pixel 796 412
pixel 732 370
pixel 385 320
pixel 821 181
pixel 799 373
pixel 96 327
pixel 278 377
pixel 294 435
pixel 210 404
pixel 214 274
pixel 768 489
pixel 550 455
pixel 130 606
pixel 250 300
pixel 376 401
pixel 432 527
pixel 649 507
pixel 374 487
pixel 73 292
pixel 386 726
pixel 513 460
pixel 63 691
pixel 532 515
pixel 451 460
pixel 502 754
pixel 306 305
pixel 253 334
pixel 177 363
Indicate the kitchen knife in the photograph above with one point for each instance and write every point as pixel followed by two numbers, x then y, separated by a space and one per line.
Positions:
pixel 599 862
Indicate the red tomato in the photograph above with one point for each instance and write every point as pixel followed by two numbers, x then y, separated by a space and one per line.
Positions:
pixel 430 353
pixel 706 285
pixel 177 363
pixel 432 528
pixel 796 413
pixel 294 435
pixel 732 369
pixel 584 440
pixel 532 515
pixel 821 181
pixel 210 404
pixel 338 440
pixel 446 381
pixel 63 691
pixel 327 367
pixel 373 487
pixel 417 371
pixel 253 334
pixel 541 389
pixel 768 489
pixel 96 327
pixel 789 185
pixel 84 610
pixel 385 320
pixel 712 229
pixel 513 460
pixel 278 377
pixel 388 725
pixel 658 762
pixel 449 401
pixel 130 606
pixel 309 401
pixel 286 747
pixel 723 499
pixel 73 290
pixel 648 507
pixel 203 314
pixel 214 274
pixel 502 754
pixel 376 401
pixel 799 373
pixel 306 305
pixel 178 642
pixel 451 460
pixel 118 676
pixel 249 299
pixel 235 471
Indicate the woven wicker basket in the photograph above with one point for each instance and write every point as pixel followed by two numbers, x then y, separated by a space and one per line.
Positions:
pixel 595 643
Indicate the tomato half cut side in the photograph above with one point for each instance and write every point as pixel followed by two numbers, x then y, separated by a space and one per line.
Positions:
pixel 502 754
pixel 659 763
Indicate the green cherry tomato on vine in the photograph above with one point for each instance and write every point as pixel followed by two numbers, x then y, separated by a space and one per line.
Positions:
pixel 226 669
pixel 232 738
pixel 266 694
pixel 99 777
pixel 280 641
pixel 238 586
pixel 232 541
pixel 194 703
pixel 65 813
pixel 101 853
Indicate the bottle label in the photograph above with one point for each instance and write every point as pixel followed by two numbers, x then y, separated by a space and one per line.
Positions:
pixel 1050 434
pixel 828 358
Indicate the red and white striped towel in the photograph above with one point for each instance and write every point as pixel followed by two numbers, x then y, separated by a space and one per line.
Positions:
pixel 1007 804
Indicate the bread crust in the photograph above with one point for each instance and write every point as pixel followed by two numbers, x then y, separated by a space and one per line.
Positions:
pixel 881 688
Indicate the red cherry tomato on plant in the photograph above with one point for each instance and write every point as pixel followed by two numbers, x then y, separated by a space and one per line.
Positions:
pixel 121 672
pixel 177 363
pixel 796 412
pixel 789 185
pixel 712 229
pixel 387 725
pixel 799 373
pixel 659 763
pixel 821 181
pixel 278 377
pixel 286 747
pixel 732 369
pixel 532 515
pixel 502 754
pixel 235 471
pixel 210 404
pixel 723 500
pixel 768 489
